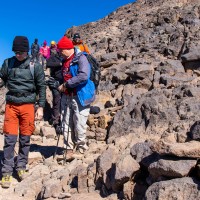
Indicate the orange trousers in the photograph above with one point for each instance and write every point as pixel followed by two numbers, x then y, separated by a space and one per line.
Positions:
pixel 19 119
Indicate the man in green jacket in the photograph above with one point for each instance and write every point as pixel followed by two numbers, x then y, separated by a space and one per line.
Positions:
pixel 24 80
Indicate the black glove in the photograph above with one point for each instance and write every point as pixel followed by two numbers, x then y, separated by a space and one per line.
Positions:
pixel 52 83
pixel 58 129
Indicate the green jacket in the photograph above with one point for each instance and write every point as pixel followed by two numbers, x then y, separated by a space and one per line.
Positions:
pixel 22 86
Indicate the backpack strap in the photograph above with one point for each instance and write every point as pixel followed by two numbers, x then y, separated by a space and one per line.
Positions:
pixel 32 68
pixel 10 65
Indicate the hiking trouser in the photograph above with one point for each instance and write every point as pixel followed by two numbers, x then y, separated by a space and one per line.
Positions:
pixel 56 107
pixel 8 153
pixel 35 57
pixel 18 120
pixel 73 118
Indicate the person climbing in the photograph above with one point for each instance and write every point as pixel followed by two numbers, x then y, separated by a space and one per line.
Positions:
pixel 78 92
pixel 53 48
pixel 78 43
pixel 44 53
pixel 23 79
pixel 35 48
pixel 54 63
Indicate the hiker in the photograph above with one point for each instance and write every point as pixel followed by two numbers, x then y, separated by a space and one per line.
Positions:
pixel 35 48
pixel 78 43
pixel 78 92
pixel 23 83
pixel 53 48
pixel 54 63
pixel 44 53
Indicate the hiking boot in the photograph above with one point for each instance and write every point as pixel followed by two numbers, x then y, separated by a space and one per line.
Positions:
pixel 83 148
pixel 22 174
pixel 6 181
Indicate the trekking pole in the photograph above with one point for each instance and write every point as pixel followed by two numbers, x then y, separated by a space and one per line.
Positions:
pixel 65 155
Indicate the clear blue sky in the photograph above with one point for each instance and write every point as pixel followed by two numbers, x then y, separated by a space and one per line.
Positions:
pixel 48 19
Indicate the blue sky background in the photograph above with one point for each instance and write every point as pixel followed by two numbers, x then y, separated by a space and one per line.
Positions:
pixel 48 19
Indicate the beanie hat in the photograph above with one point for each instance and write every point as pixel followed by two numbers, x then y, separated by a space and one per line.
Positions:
pixel 65 43
pixel 76 35
pixel 20 43
pixel 45 42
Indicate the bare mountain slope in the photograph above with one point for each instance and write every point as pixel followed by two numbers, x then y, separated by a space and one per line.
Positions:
pixel 140 48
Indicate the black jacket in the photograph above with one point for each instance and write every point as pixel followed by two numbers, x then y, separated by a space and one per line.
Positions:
pixel 55 64
pixel 35 48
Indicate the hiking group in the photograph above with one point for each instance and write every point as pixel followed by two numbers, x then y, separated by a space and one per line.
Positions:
pixel 72 89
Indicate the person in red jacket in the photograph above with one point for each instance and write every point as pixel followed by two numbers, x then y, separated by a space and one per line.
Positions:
pixel 78 92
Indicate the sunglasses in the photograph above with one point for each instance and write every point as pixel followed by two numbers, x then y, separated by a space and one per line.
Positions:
pixel 19 53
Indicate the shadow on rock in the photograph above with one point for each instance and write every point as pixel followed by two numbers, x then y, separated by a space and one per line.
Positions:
pixel 46 151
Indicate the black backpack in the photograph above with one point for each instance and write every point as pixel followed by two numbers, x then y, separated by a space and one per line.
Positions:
pixel 54 61
pixel 95 74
